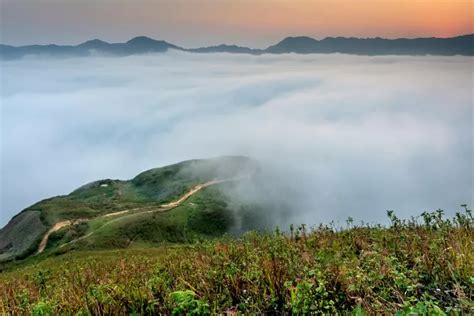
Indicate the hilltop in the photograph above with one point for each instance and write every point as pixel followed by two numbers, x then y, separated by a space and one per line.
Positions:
pixel 175 203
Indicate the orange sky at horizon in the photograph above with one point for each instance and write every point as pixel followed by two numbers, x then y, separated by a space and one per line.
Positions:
pixel 404 18
pixel 255 23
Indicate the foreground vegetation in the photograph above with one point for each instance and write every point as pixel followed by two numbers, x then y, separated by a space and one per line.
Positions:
pixel 423 266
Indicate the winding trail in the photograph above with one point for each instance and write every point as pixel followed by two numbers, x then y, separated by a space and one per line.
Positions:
pixel 193 190
pixel 125 213
pixel 55 228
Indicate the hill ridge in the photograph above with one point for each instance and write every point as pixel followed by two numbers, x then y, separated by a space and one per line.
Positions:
pixel 161 208
pixel 94 205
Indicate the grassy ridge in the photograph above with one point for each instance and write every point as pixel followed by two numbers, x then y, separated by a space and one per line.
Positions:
pixel 21 236
pixel 203 215
pixel 409 267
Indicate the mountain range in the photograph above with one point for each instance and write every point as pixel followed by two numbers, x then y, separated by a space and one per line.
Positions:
pixel 460 45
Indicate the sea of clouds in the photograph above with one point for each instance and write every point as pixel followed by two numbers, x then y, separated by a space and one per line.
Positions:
pixel 338 135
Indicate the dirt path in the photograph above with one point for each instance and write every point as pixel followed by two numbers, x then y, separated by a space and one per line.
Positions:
pixel 117 213
pixel 186 196
pixel 160 208
pixel 55 228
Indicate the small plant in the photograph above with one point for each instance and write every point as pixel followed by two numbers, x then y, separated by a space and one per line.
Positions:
pixel 23 298
pixel 185 303
pixel 41 279
pixel 349 221
pixel 426 307
pixel 396 222
pixel 42 308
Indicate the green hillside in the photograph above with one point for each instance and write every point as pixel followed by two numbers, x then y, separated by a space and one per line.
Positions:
pixel 205 214
pixel 116 213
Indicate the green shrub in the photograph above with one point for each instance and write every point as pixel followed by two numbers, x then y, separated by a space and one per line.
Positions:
pixel 185 303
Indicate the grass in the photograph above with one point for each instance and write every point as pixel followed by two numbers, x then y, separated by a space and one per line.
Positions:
pixel 410 267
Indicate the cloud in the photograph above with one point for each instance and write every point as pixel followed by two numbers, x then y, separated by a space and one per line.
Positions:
pixel 338 135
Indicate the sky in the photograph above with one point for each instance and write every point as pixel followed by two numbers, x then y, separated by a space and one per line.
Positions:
pixel 350 135
pixel 255 23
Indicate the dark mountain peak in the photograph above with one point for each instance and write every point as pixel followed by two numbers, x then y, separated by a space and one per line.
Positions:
pixel 298 44
pixel 226 48
pixel 466 36
pixel 143 40
pixel 143 44
pixel 335 38
pixel 297 39
pixel 94 43
pixel 137 39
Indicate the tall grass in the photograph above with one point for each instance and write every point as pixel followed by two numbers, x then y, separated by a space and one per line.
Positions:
pixel 412 266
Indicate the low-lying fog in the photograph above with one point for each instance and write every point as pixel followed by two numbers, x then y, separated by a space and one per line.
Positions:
pixel 337 135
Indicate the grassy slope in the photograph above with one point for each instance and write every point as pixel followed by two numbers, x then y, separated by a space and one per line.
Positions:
pixel 148 189
pixel 205 214
pixel 21 234
pixel 410 268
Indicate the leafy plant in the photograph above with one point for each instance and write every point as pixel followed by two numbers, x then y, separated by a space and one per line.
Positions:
pixel 185 303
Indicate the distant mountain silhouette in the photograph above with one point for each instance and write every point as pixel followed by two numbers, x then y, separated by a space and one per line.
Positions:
pixel 460 45
pixel 142 44
pixel 137 45
pixel 226 49
pixel 94 44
